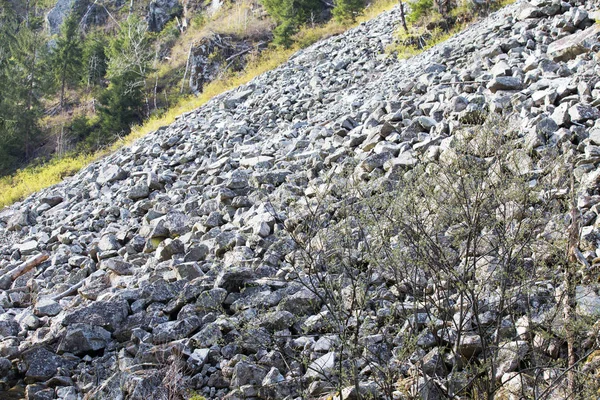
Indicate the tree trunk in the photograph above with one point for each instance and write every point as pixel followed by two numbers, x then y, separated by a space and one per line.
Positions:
pixel 62 90
pixel 403 17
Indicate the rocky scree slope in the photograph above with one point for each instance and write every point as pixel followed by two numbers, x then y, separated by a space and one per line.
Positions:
pixel 168 265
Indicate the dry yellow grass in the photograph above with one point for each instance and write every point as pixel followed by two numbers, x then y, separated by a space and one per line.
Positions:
pixel 31 179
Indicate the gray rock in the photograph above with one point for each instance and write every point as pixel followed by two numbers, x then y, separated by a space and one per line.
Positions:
pixel 108 243
pixel 42 364
pixel 588 300
pixel 277 320
pixel 581 113
pixel 168 248
pixel 208 336
pixel 300 303
pixel 139 191
pixel 197 359
pixel 505 83
pixel 509 356
pixel 375 161
pixel 5 367
pixel 108 314
pixel 19 220
pixel 46 307
pixel 175 330
pixel 322 367
pixel 117 266
pixel 246 373
pixel 234 278
pixel 83 338
pixel 160 12
pixel 571 46
pixel 111 173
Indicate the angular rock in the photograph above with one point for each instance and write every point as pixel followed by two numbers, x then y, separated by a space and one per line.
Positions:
pixel 505 83
pixel 83 338
pixel 111 173
pixel 46 307
pixel 571 46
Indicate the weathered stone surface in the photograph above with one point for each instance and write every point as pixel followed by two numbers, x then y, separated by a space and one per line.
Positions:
pixel 188 245
pixel 83 338
pixel 245 373
pixel 322 367
pixel 108 314
pixel 111 173
pixel 46 307
pixel 505 83
pixel 571 46
pixel 42 364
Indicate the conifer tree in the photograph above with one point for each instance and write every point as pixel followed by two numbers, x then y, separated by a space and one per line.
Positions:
pixel 94 59
pixel 289 15
pixel 67 56
pixel 28 81
pixel 122 103
pixel 348 10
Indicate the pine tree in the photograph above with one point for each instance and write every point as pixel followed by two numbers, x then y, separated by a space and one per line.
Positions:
pixel 122 103
pixel 289 15
pixel 348 10
pixel 28 82
pixel 9 143
pixel 94 59
pixel 67 56
pixel 120 106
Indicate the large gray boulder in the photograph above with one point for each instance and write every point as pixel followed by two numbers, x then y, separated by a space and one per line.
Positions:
pixel 84 338
pixel 571 46
pixel 108 314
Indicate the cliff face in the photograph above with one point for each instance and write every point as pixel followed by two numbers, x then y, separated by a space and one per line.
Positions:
pixel 176 264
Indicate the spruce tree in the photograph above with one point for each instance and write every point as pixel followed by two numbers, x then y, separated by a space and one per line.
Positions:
pixel 67 56
pixel 122 103
pixel 29 83
pixel 289 15
pixel 348 10
pixel 94 60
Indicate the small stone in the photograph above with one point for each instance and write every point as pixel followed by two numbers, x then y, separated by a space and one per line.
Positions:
pixel 322 367
pixel 139 191
pixel 505 83
pixel 569 47
pixel 46 307
pixel 83 338
pixel 272 377
pixel 581 113
pixel 117 266
pixel 111 174
pixel 168 248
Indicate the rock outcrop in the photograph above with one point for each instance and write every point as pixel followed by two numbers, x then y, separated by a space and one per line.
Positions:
pixel 170 262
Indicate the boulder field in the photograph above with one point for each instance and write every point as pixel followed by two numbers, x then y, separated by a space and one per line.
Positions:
pixel 168 267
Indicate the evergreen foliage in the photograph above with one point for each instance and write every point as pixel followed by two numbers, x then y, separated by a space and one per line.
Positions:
pixel 348 10
pixel 121 105
pixel 94 60
pixel 290 15
pixel 23 58
pixel 66 59
pixel 129 57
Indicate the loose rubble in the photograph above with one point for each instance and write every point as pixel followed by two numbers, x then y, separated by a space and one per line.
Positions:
pixel 171 257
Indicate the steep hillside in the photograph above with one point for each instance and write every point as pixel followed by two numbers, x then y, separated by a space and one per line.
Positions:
pixel 348 225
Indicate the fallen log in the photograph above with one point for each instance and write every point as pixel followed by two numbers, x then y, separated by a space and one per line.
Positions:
pixel 25 266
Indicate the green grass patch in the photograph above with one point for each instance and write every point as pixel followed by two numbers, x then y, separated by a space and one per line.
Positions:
pixel 34 178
